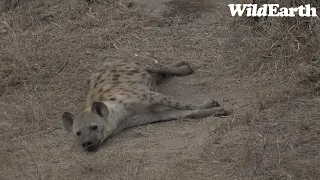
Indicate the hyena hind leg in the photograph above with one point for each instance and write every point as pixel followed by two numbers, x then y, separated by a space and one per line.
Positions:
pixel 179 64
pixel 168 101
pixel 173 114
pixel 160 72
pixel 177 69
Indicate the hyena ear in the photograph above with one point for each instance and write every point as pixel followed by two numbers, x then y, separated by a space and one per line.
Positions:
pixel 67 121
pixel 100 108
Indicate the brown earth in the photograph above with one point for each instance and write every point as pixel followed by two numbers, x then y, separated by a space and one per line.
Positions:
pixel 48 48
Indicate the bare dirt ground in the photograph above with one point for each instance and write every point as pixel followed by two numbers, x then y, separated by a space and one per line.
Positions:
pixel 48 49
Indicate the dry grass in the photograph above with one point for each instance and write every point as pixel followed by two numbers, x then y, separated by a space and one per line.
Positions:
pixel 281 56
pixel 268 72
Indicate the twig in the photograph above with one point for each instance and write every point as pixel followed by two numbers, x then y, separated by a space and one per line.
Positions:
pixel 64 65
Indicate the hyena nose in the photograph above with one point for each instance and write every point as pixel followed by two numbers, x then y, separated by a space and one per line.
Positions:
pixel 86 144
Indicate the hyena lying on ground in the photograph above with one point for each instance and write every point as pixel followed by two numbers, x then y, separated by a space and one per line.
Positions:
pixel 122 94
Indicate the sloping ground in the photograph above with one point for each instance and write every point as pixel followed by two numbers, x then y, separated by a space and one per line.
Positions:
pixel 48 48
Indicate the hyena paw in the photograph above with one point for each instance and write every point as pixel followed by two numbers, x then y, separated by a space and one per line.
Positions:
pixel 209 104
pixel 224 112
pixel 186 69
pixel 181 63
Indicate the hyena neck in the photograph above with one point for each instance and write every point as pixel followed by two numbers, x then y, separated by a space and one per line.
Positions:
pixel 117 117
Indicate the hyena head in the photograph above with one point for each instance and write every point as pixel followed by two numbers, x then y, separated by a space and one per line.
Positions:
pixel 88 128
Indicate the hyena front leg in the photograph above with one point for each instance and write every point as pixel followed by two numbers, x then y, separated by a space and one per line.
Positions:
pixel 168 101
pixel 173 114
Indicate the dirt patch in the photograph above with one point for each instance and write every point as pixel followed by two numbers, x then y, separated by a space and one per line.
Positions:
pixel 172 8
pixel 150 7
pixel 188 8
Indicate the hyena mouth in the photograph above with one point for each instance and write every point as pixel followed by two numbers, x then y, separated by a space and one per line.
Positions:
pixel 91 148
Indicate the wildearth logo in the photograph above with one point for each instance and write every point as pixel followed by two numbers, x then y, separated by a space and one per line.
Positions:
pixel 272 10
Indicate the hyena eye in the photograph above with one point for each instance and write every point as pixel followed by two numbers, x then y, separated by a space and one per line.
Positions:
pixel 94 127
pixel 78 133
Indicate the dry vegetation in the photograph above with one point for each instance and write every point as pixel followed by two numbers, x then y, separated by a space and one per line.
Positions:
pixel 268 72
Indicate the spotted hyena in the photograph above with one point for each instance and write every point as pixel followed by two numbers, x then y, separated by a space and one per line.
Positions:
pixel 123 94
